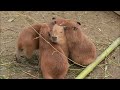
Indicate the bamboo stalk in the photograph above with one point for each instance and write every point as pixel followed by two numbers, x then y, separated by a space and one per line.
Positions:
pixel 100 58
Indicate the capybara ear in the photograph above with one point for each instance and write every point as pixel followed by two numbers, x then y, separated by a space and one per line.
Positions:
pixel 54 22
pixel 79 23
pixel 53 18
pixel 49 34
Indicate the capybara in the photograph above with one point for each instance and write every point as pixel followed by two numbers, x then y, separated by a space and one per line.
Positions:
pixel 53 64
pixel 81 49
pixel 27 42
pixel 57 36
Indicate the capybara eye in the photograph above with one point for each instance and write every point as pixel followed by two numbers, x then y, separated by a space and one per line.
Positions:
pixel 21 49
pixel 65 28
pixel 79 23
pixel 75 28
pixel 53 18
pixel 48 34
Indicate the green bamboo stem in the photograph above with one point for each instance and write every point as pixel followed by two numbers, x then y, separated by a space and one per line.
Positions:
pixel 100 58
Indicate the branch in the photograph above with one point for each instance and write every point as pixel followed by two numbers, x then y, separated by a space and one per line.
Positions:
pixel 100 58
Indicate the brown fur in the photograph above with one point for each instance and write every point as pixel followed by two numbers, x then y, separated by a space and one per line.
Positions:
pixel 27 43
pixel 53 64
pixel 81 49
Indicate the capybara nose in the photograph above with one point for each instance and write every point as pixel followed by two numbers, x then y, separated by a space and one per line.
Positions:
pixel 54 39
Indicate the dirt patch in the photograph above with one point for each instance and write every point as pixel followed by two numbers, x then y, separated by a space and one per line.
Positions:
pixel 102 27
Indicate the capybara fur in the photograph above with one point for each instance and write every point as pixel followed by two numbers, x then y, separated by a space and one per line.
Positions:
pixel 81 49
pixel 57 36
pixel 26 43
pixel 53 64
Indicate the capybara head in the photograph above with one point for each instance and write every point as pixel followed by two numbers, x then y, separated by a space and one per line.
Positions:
pixel 70 27
pixel 44 31
pixel 57 34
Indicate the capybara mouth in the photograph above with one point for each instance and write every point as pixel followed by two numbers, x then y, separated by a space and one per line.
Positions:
pixel 53 41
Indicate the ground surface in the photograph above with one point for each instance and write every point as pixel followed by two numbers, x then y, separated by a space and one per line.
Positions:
pixel 102 27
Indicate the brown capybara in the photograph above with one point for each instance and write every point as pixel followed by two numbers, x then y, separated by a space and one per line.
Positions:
pixel 81 49
pixel 53 64
pixel 57 36
pixel 27 44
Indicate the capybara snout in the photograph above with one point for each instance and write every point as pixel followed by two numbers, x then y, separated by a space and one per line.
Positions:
pixel 54 39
